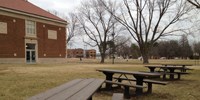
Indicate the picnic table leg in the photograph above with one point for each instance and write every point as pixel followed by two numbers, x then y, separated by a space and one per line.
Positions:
pixel 139 81
pixel 149 88
pixel 164 75
pixel 152 69
pixel 126 92
pixel 183 70
pixel 108 77
pixel 179 76
pixel 171 75
pixel 90 98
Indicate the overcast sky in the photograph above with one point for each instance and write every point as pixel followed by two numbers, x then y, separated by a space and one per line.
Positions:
pixel 62 6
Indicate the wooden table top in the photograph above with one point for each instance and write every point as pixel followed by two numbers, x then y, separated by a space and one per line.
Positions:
pixel 168 67
pixel 176 64
pixel 129 72
pixel 78 89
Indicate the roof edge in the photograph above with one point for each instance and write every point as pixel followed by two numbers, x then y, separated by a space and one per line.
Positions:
pixel 33 15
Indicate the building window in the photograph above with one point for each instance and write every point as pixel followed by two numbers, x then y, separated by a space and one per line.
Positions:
pixel 30 27
pixel 3 28
pixel 52 34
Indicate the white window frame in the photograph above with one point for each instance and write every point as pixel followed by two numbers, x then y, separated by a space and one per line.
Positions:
pixel 30 28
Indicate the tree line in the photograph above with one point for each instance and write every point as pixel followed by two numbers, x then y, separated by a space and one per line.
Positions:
pixel 171 49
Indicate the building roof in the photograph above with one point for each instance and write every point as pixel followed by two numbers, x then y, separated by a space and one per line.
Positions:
pixel 27 7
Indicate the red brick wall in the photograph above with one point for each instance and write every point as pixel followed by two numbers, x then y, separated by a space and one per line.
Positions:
pixel 52 48
pixel 13 41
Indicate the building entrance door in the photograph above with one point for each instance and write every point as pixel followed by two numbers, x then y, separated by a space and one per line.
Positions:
pixel 30 53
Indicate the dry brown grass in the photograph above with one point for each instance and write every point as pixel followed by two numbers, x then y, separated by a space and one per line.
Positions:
pixel 20 81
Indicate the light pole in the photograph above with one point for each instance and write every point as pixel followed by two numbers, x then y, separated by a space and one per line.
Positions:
pixel 84 53
pixel 113 47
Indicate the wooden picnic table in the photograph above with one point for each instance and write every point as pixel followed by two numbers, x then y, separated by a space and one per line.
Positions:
pixel 139 76
pixel 165 68
pixel 78 89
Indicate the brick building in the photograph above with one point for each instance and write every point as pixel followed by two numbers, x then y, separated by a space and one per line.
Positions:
pixel 77 53
pixel 29 34
pixel 91 54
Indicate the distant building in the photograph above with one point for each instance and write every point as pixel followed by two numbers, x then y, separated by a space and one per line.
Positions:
pixel 77 53
pixel 29 34
pixel 91 54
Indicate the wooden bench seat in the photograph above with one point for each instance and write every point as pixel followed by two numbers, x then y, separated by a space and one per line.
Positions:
pixel 185 69
pixel 167 73
pixel 181 73
pixel 155 82
pixel 148 81
pixel 174 73
pixel 126 87
pixel 119 79
pixel 189 69
pixel 123 84
pixel 78 89
pixel 145 80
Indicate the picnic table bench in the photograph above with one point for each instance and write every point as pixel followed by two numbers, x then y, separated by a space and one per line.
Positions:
pixel 148 81
pixel 78 89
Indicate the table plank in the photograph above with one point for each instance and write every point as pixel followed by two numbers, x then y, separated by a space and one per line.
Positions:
pixel 54 91
pixel 176 64
pixel 128 72
pixel 88 90
pixel 67 93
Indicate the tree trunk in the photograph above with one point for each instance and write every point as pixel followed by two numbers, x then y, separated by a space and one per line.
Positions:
pixel 145 58
pixel 145 54
pixel 102 57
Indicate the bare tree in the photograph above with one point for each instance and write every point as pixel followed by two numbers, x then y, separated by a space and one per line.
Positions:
pixel 72 27
pixel 97 24
pixel 135 52
pixel 185 48
pixel 122 46
pixel 195 3
pixel 169 49
pixel 196 47
pixel 149 20
pixel 123 51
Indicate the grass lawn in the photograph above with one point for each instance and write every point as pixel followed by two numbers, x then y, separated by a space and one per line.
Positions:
pixel 20 81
